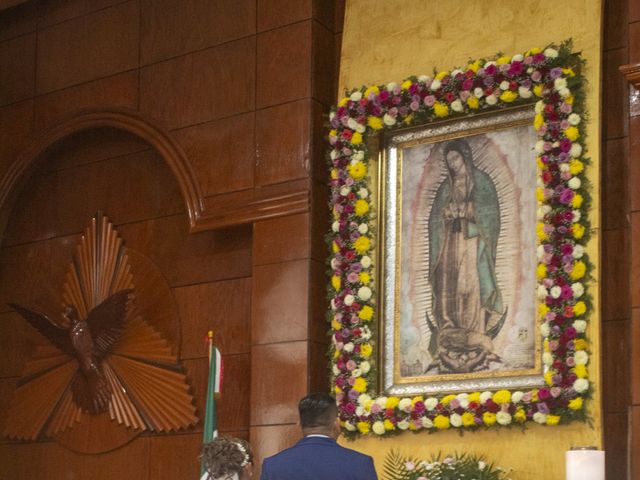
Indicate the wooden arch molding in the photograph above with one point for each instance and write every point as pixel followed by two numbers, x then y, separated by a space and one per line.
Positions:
pixel 120 119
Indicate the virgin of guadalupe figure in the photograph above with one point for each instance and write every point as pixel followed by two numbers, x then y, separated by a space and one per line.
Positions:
pixel 464 225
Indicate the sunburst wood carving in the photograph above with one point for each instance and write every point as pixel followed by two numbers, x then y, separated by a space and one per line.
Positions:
pixel 129 373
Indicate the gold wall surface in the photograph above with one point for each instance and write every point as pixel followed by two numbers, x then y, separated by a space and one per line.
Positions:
pixel 389 40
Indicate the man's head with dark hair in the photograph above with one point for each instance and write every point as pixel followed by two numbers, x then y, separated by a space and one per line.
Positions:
pixel 318 414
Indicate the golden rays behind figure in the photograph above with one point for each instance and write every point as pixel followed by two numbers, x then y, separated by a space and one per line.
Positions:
pixel 103 358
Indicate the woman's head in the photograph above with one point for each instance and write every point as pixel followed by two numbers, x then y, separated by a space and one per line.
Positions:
pixel 225 456
pixel 457 154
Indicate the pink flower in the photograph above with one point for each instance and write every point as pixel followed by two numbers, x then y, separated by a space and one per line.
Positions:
pixel 429 100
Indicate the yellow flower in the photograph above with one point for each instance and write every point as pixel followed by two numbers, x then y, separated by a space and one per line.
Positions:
pixel 370 90
pixel 367 405
pixel 537 90
pixel 414 400
pixel 474 67
pixel 473 102
pixel 336 354
pixel 576 403
pixel 356 138
pixel 548 377
pixel 335 324
pixel 520 416
pixel 406 84
pixel 577 201
pixel 441 75
pixel 375 122
pixel 509 96
pixel 337 389
pixel 335 282
pixel 408 119
pixel 334 247
pixel 578 231
pixel 579 270
pixel 392 402
pixel 334 173
pixel 333 133
pixel 545 345
pixel 440 109
pixel 468 419
pixel 343 101
pixel 541 271
pixel 572 133
pixel 364 277
pixel 580 344
pixel 543 310
pixel 580 371
pixel 363 427
pixel 366 350
pixel 361 207
pixel 502 60
pixel 575 166
pixel 357 170
pixel 388 425
pixel 360 385
pixel 447 399
pixel 533 51
pixel 534 395
pixel 441 422
pixel 538 121
pixel 489 418
pixel 540 232
pixel 366 313
pixel 569 100
pixel 541 166
pixel 412 425
pixel 362 245
pixel 540 194
pixel 579 308
pixel 502 396
pixel 474 397
pixel 568 72
pixel 553 420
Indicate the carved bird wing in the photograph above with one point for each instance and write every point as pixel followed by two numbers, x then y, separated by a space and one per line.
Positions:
pixel 106 321
pixel 59 337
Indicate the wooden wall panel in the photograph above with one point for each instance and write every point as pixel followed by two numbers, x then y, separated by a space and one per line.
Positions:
pixel 18 21
pixel 51 12
pixel 16 123
pixel 277 13
pixel 17 67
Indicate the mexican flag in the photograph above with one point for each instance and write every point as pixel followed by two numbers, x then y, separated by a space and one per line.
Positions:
pixel 214 386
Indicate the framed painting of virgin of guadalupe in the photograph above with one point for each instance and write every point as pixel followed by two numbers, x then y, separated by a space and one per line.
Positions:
pixel 458 250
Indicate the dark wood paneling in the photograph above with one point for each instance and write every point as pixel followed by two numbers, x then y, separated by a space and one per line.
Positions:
pixel 318 367
pixel 634 43
pixel 615 358
pixel 278 364
pixel 277 13
pixel 615 283
pixel 633 142
pixel 117 91
pixel 223 307
pixel 17 340
pixel 200 87
pixel 171 28
pixel 280 302
pixel 635 260
pixel 222 153
pixel 614 94
pixel 634 10
pixel 634 446
pixel 615 196
pixel 634 342
pixel 324 65
pixel 7 387
pixel 320 221
pixel 283 142
pixel 269 440
pixel 615 24
pixel 320 143
pixel 284 64
pixel 17 21
pixel 88 47
pixel 615 426
pixel 318 325
pixel 16 123
pixel 162 457
pixel 325 12
pixel 24 460
pixel 17 64
pixel 281 239
pixel 56 11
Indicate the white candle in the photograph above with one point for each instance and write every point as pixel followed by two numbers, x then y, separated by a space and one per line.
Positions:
pixel 585 464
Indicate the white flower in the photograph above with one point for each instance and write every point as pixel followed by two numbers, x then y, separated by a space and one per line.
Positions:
pixel 551 53
pixel 578 289
pixel 504 85
pixel 581 385
pixel 516 397
pixel 580 325
pixel 542 292
pixel 578 251
pixel 335 226
pixel 455 419
pixel 363 398
pixel 348 300
pixel 435 85
pixel 539 148
pixel 349 426
pixel 489 63
pixel 481 465
pixel 378 428
pixel 517 58
pixel 503 418
pixel 524 92
pixel 365 367
pixel 332 115
pixel 426 423
pixel 360 411
pixel 381 402
pixel 388 119
pixel 555 291
pixel 356 373
pixel 333 304
pixel 478 92
pixel 348 347
pixel 545 329
pixel 564 167
pixel 574 119
pixel 581 357
pixel 484 396
pixel 577 215
pixel 540 249
pixel 575 183
pixel 564 92
pixel 366 335
pixel 356 96
pixel 363 193
pixel 363 228
pixel 547 358
pixel 403 425
pixel 334 263
pixel 405 405
pixel 430 403
pixel 456 106
pixel 344 191
pixel 540 418
pixel 365 261
pixel 352 124
pixel 560 83
pixel 336 370
pixel 423 78
pixel 455 72
pixel 391 86
pixel 576 150
pixel 539 106
pixel 360 128
pixel 333 154
pixel 491 99
pixel 464 403
pixel 364 293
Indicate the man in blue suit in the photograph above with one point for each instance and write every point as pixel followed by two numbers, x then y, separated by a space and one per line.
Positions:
pixel 317 456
